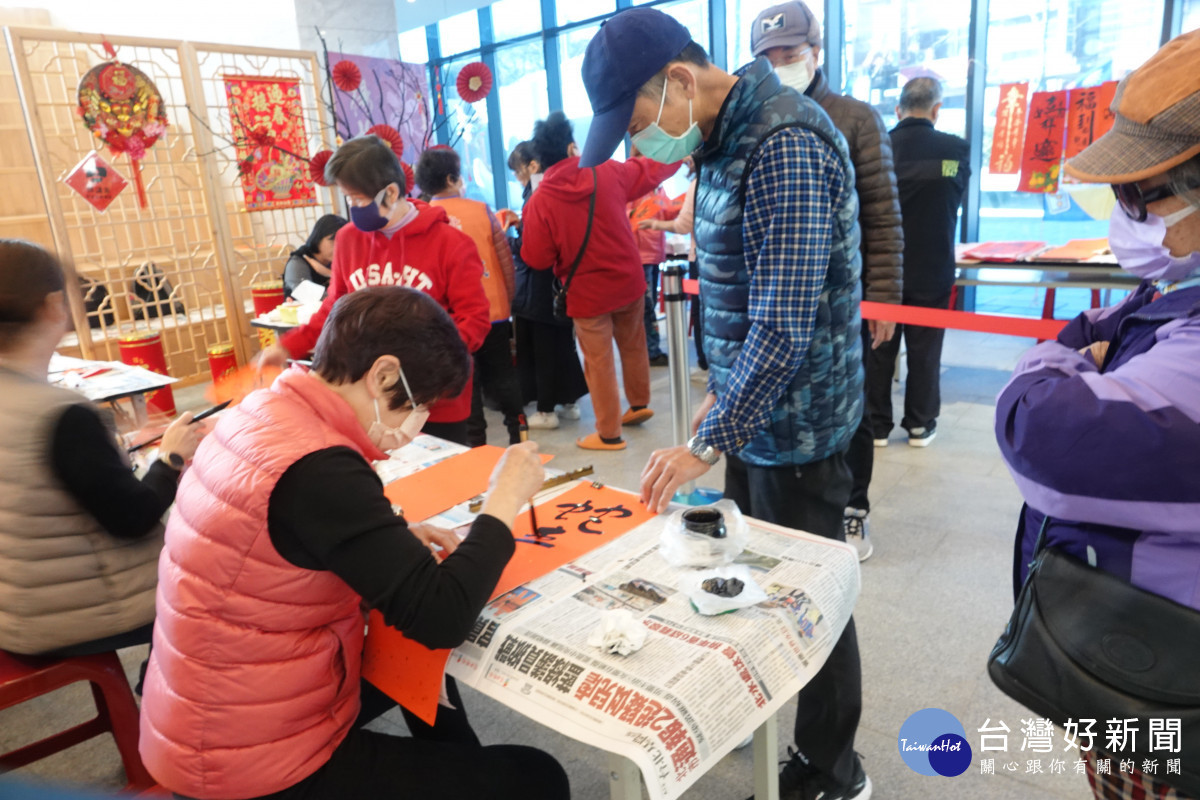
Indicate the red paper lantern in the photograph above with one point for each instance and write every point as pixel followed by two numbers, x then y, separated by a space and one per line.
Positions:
pixel 346 76
pixel 474 82
pixel 124 109
pixel 391 136
pixel 316 166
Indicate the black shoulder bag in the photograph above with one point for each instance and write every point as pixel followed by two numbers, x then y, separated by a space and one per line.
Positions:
pixel 1085 644
pixel 560 289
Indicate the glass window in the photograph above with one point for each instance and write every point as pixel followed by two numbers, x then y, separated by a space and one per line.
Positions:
pixel 1056 44
pixel 521 78
pixel 459 33
pixel 889 42
pixel 414 46
pixel 576 10
pixel 466 130
pixel 571 47
pixel 1191 15
pixel 739 16
pixel 513 18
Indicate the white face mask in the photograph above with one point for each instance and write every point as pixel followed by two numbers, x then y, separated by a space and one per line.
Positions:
pixel 797 75
pixel 389 439
pixel 1139 246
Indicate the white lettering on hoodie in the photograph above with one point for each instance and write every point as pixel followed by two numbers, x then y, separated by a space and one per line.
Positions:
pixel 376 275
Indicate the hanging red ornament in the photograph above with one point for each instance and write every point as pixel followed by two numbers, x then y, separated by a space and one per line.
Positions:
pixel 346 76
pixel 474 82
pixel 124 109
pixel 389 135
pixel 316 166
pixel 409 179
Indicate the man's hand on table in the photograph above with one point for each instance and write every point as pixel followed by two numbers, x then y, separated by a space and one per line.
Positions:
pixel 665 472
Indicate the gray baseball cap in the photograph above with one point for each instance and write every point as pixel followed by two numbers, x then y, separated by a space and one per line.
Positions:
pixel 785 25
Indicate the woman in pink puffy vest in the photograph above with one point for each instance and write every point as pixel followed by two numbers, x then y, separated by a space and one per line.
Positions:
pixel 280 535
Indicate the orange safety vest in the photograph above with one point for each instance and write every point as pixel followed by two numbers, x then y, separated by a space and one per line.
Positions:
pixel 475 220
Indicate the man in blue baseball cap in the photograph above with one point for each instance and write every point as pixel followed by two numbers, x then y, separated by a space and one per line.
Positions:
pixel 777 240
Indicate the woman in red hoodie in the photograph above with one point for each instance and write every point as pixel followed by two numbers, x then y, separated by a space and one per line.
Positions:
pixel 397 241
pixel 604 297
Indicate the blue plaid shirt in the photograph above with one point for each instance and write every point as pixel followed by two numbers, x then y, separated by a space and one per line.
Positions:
pixel 791 199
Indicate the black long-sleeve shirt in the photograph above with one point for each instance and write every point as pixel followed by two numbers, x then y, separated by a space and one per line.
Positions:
pixel 84 456
pixel 328 512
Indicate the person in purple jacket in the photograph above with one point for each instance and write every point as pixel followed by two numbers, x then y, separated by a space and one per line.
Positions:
pixel 1101 428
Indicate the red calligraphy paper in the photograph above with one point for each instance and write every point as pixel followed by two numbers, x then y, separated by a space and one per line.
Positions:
pixel 572 525
pixel 1009 134
pixel 1089 116
pixel 266 117
pixel 1041 158
pixel 96 181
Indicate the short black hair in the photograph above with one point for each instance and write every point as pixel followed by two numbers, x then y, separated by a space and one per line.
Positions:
pixel 521 155
pixel 692 54
pixel 28 273
pixel 436 167
pixel 920 94
pixel 398 321
pixel 552 137
pixel 366 164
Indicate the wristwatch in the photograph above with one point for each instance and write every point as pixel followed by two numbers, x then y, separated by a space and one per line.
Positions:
pixel 703 450
pixel 172 460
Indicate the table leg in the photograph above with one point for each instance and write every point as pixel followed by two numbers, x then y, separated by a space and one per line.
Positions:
pixel 138 401
pixel 766 760
pixel 625 780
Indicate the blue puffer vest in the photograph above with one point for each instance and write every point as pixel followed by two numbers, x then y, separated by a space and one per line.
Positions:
pixel 820 409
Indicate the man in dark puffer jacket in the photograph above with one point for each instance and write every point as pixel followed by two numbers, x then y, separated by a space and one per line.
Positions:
pixel 790 37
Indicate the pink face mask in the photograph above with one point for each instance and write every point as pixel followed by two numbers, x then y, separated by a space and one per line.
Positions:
pixel 389 439
pixel 1139 246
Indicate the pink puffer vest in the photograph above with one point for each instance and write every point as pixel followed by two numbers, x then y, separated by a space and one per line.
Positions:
pixel 254 676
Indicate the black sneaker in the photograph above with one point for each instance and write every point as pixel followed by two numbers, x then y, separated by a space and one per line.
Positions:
pixel 798 781
pixel 659 360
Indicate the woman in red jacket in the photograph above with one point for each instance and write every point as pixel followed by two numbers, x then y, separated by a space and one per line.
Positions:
pixel 604 297
pixel 395 241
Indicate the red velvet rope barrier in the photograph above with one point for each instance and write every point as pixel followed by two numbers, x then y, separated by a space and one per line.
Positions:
pixel 943 318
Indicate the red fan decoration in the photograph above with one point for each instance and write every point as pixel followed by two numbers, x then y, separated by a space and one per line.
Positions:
pixel 346 76
pixel 409 179
pixel 474 82
pixel 389 135
pixel 123 108
pixel 316 166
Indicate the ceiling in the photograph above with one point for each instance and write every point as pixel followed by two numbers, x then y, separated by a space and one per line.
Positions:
pixel 417 13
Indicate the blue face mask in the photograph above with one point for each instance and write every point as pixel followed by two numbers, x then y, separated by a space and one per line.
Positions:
pixel 367 218
pixel 658 145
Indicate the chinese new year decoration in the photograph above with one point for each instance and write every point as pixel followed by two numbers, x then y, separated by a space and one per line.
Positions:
pixel 267 119
pixel 96 181
pixel 124 109
pixel 1041 160
pixel 1089 116
pixel 1009 135
pixel 474 82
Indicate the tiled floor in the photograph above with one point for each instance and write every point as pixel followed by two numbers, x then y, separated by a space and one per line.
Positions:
pixel 936 594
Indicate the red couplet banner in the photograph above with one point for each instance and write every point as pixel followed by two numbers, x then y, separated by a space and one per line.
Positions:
pixel 1009 134
pixel 1041 160
pixel 1089 116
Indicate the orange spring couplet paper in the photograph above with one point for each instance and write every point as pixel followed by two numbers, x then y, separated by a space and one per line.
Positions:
pixel 1009 134
pixel 235 385
pixel 1041 160
pixel 1089 116
pixel 573 524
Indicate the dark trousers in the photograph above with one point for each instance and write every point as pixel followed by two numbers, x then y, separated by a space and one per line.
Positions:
pixel 369 765
pixel 812 498
pixel 922 387
pixel 548 364
pixel 697 319
pixel 451 724
pixel 118 641
pixel 650 315
pixel 495 372
pixel 861 454
pixel 450 431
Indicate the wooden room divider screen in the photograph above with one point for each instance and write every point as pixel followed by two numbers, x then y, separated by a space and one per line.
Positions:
pixel 196 227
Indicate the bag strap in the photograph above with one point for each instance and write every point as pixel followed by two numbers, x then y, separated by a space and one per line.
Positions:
pixel 586 236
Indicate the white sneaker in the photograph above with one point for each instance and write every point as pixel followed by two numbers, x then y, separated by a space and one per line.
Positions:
pixel 881 442
pixel 699 375
pixel 858 532
pixel 543 420
pixel 569 411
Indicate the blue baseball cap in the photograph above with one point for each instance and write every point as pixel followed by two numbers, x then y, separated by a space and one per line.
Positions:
pixel 628 50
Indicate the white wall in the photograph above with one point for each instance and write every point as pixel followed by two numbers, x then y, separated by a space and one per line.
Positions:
pixel 260 23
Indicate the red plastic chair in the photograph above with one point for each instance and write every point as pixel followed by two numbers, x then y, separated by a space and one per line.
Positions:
pixel 23 678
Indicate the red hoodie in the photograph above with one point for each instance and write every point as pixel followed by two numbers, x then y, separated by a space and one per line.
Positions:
pixel 426 254
pixel 610 275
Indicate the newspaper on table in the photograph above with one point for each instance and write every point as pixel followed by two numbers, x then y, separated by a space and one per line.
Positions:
pixel 103 380
pixel 699 685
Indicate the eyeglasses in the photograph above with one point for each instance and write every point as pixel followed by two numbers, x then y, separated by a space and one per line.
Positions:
pixel 1133 200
